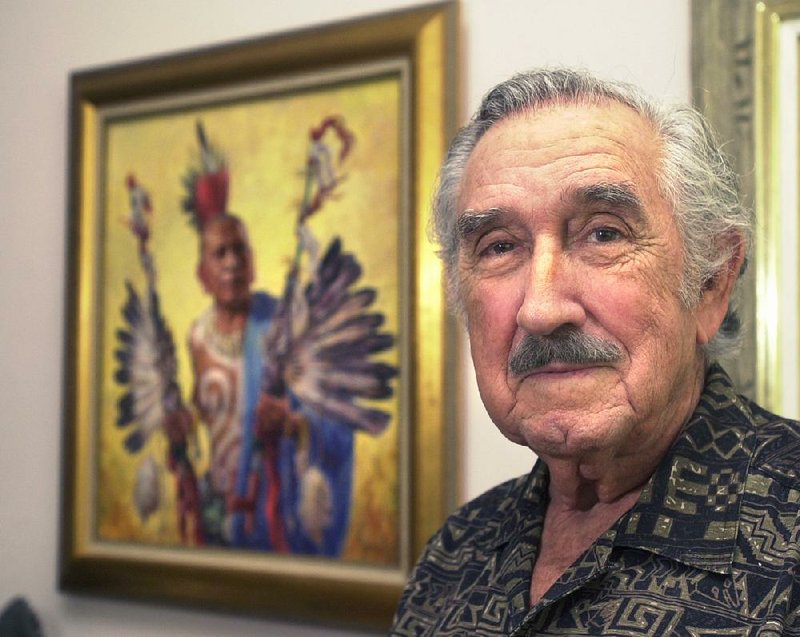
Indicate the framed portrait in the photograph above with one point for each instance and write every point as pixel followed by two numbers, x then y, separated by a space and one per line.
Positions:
pixel 257 412
pixel 745 71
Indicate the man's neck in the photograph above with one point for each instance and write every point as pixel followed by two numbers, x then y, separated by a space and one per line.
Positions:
pixel 572 489
pixel 568 532
pixel 229 319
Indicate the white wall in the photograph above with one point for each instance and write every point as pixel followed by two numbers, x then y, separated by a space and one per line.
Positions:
pixel 644 41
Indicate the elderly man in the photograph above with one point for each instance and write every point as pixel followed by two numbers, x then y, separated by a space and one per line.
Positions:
pixel 592 241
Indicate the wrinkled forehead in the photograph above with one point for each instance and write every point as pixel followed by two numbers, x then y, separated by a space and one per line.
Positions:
pixel 552 124
pixel 590 143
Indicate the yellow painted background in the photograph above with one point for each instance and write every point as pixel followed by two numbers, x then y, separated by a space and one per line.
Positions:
pixel 265 141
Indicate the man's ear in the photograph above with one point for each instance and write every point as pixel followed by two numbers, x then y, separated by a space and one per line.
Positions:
pixel 716 294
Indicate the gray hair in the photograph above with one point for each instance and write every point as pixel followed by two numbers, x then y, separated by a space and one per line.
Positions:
pixel 694 176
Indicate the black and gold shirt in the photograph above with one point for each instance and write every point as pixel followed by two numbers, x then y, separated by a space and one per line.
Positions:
pixel 710 548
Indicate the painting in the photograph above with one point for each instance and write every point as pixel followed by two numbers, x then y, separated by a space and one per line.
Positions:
pixel 256 413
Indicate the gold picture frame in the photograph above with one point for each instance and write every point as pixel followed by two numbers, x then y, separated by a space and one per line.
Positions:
pixel 739 64
pixel 777 146
pixel 140 134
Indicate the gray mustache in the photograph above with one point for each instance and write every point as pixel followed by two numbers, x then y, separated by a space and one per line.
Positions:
pixel 565 345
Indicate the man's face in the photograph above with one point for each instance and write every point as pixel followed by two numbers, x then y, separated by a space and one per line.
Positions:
pixel 562 228
pixel 226 264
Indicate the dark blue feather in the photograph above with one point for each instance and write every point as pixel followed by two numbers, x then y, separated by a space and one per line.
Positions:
pixel 361 348
pixel 135 441
pixel 123 356
pixel 125 410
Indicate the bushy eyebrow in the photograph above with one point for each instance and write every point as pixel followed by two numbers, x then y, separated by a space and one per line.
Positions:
pixel 473 221
pixel 616 195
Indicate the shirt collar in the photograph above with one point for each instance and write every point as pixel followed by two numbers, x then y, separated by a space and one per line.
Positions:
pixel 689 510
pixel 522 520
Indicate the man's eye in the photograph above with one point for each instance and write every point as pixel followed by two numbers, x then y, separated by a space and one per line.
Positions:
pixel 498 248
pixel 604 235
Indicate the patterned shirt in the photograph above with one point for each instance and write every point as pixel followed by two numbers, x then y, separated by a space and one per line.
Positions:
pixel 710 548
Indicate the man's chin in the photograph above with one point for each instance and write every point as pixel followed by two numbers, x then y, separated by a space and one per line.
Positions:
pixel 567 442
pixel 235 304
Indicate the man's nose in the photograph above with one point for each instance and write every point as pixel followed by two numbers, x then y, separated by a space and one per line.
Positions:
pixel 231 258
pixel 552 293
